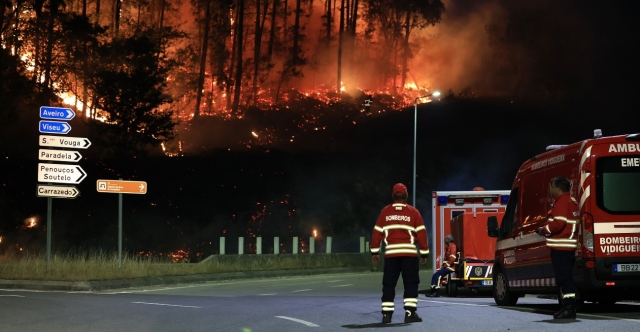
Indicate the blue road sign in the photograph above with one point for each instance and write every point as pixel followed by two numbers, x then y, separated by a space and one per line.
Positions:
pixel 54 127
pixel 56 113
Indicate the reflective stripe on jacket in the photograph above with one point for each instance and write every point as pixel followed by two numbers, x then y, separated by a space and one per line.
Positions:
pixel 401 227
pixel 562 224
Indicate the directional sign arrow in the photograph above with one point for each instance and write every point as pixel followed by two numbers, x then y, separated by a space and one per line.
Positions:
pixel 60 173
pixel 57 191
pixel 56 113
pixel 64 142
pixel 59 155
pixel 54 127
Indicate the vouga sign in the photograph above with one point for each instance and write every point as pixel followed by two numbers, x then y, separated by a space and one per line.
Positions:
pixel 51 173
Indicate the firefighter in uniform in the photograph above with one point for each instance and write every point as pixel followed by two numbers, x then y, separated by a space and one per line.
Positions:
pixel 400 226
pixel 561 234
pixel 447 265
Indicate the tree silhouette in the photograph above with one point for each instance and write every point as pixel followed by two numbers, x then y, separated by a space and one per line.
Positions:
pixel 128 84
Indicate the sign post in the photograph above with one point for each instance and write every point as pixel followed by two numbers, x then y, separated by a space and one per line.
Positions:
pixel 58 173
pixel 121 187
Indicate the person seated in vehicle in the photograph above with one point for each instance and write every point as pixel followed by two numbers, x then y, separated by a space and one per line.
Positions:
pixel 447 265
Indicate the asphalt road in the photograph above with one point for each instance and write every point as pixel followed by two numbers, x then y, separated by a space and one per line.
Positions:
pixel 330 302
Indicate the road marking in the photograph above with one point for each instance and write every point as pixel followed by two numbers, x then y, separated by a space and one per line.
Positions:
pixel 12 295
pixel 341 285
pixel 168 305
pixel 334 280
pixel 268 294
pixel 301 290
pixel 469 304
pixel 299 321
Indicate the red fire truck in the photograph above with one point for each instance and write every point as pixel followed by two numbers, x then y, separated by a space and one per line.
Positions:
pixel 463 214
pixel 605 177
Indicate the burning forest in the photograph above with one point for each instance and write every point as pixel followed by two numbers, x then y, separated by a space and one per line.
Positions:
pixel 266 105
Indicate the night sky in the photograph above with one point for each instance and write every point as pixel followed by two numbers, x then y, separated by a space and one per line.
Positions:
pixel 515 78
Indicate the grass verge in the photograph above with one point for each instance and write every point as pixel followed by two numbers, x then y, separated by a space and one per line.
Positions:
pixel 104 266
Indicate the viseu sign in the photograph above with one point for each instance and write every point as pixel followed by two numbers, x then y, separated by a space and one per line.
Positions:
pixel 54 127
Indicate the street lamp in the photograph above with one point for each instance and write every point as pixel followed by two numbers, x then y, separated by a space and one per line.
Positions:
pixel 415 134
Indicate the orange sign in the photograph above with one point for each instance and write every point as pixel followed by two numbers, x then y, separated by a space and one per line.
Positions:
pixel 121 187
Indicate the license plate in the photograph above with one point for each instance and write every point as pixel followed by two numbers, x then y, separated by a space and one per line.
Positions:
pixel 626 268
pixel 487 282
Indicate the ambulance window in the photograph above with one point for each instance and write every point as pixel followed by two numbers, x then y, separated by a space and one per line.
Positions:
pixel 509 218
pixel 617 182
pixel 455 213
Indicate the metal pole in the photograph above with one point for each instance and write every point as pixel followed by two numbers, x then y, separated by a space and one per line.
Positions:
pixel 49 209
pixel 120 229
pixel 415 133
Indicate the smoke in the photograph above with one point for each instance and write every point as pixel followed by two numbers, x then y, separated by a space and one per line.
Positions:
pixel 455 54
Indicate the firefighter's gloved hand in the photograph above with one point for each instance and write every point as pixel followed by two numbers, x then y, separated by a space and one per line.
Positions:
pixel 540 232
pixel 375 259
pixel 423 260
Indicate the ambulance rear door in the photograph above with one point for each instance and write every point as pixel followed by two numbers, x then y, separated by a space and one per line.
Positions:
pixel 446 205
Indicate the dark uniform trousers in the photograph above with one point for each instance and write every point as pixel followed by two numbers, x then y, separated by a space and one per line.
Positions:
pixel 563 262
pixel 435 280
pixel 410 267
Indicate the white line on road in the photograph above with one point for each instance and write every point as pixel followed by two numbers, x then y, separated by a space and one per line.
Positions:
pixel 301 290
pixel 299 321
pixel 341 285
pixel 334 280
pixel 12 295
pixel 168 305
pixel 469 304
pixel 268 294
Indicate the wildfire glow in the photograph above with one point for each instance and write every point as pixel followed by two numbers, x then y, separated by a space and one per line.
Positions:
pixel 30 222
pixel 412 86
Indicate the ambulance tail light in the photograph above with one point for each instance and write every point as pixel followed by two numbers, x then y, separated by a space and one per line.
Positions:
pixel 587 237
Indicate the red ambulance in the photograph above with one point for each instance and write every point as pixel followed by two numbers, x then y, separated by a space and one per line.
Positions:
pixel 475 252
pixel 605 177
pixel 463 214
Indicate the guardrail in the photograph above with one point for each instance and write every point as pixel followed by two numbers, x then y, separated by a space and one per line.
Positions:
pixel 295 241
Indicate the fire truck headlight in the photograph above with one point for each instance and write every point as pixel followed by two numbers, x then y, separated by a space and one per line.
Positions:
pixel 504 199
pixel 442 200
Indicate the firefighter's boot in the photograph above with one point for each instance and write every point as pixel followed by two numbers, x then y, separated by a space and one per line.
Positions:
pixel 411 317
pixel 386 317
pixel 434 292
pixel 568 311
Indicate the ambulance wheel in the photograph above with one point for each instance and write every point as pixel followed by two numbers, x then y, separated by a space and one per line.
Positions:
pixel 501 293
pixel 452 288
